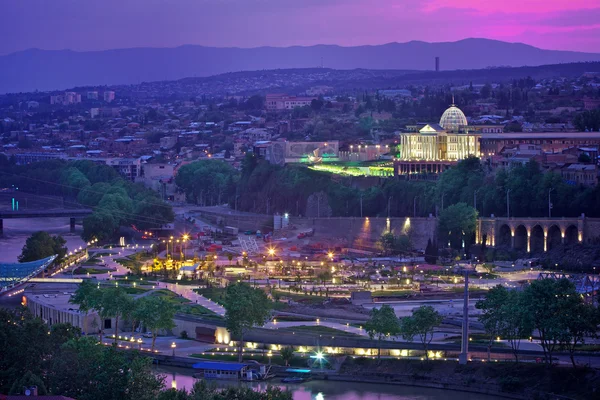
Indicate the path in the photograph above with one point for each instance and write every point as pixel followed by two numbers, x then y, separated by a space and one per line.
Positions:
pixel 188 292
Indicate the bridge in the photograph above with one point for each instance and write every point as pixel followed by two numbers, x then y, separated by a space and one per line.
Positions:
pixel 72 214
pixel 584 283
pixel 536 234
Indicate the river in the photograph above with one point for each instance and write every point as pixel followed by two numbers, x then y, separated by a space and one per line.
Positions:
pixel 16 232
pixel 332 390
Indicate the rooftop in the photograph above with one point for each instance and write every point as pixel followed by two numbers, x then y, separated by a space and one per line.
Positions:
pixel 221 366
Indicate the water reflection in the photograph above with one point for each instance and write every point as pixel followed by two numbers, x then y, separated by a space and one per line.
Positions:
pixel 180 378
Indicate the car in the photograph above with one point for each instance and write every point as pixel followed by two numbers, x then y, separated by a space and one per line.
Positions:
pixel 147 334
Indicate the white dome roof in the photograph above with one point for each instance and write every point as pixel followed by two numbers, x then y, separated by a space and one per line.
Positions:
pixel 453 118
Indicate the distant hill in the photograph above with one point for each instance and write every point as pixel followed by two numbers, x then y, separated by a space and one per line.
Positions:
pixel 36 69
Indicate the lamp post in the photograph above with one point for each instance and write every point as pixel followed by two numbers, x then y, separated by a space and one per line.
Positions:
pixel 415 206
pixel 361 211
pixel 173 346
pixel 508 203
pixel 185 239
pixel 550 203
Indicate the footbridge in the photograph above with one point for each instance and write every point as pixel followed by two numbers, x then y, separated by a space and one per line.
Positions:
pixel 72 214
pixel 584 283
pixel 536 234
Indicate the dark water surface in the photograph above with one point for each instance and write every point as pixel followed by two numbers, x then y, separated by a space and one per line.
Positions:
pixel 331 390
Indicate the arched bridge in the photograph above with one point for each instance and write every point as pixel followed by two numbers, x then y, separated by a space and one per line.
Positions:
pixel 72 214
pixel 536 234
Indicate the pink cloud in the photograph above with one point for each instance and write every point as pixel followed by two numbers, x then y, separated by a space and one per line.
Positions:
pixel 512 6
pixel 85 25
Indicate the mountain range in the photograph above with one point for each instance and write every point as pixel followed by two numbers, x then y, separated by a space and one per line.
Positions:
pixel 45 70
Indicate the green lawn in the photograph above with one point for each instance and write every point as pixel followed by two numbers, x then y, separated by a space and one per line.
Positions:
pixel 92 271
pixel 301 297
pixel 182 282
pixel 172 297
pixel 135 290
pixel 198 310
pixel 398 292
pixel 319 330
pixel 102 254
pixel 136 281
pixel 214 294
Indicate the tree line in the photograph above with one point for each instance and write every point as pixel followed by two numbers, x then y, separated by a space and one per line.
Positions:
pixel 60 361
pixel 116 201
pixel 383 323
pixel 263 187
pixel 551 309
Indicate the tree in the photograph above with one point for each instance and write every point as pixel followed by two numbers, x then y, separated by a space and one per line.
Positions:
pixel 100 225
pixel 517 321
pixel 458 223
pixel 486 91
pixel 382 322
pixel 28 380
pixel 492 313
pixel 156 313
pixel 107 372
pixel 431 253
pixel 205 391
pixel 325 276
pixel 41 245
pixel 115 303
pixel 422 323
pixel 582 321
pixel 287 354
pixel 386 242
pixel 316 105
pixel 142 382
pixel 584 158
pixel 391 244
pixel 89 298
pixel 549 302
pixel 245 307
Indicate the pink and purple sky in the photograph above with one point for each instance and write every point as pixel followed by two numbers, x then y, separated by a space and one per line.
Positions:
pixel 109 24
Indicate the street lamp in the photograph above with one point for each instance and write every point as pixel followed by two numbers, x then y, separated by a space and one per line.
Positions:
pixel 185 238
pixel 550 203
pixel 173 346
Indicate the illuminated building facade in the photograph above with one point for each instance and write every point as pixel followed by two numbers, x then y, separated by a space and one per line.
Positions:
pixel 436 147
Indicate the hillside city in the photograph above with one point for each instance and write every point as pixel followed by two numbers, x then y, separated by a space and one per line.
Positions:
pixel 384 232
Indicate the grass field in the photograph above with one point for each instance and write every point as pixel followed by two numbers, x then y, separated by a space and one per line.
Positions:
pixel 135 290
pixel 391 293
pixel 319 330
pixel 172 297
pixel 199 311
pixel 92 271
pixel 301 298
pixel 214 294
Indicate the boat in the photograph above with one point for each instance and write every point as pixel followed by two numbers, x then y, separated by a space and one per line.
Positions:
pixel 220 370
pixel 297 375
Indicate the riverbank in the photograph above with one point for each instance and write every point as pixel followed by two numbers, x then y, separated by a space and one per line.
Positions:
pixel 503 379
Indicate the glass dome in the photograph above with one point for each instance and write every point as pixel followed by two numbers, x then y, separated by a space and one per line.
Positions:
pixel 453 118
